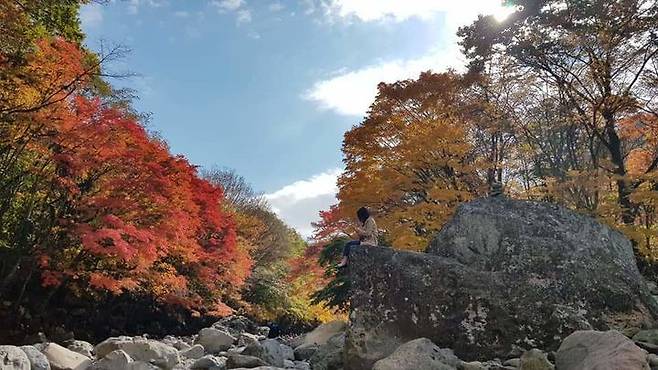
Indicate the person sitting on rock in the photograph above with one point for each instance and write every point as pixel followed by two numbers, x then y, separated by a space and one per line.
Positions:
pixel 367 232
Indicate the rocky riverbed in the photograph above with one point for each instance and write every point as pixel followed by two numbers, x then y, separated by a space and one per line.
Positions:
pixel 237 343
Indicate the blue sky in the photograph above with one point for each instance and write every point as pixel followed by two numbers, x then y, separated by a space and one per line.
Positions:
pixel 269 87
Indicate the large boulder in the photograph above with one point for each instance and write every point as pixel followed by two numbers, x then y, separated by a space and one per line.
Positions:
pixel 417 354
pixel 502 273
pixel 594 350
pixel 269 350
pixel 13 358
pixel 322 333
pixel 38 360
pixel 61 358
pixel 330 356
pixel 141 349
pixel 215 340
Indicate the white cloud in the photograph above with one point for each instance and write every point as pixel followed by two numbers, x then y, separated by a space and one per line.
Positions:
pixel 134 5
pixel 276 7
pixel 91 15
pixel 228 5
pixel 351 92
pixel 298 204
pixel 244 16
pixel 375 10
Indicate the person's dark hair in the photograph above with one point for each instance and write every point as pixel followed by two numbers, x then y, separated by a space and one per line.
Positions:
pixel 362 214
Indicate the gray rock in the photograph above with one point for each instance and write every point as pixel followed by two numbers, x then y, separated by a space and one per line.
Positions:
pixel 237 360
pixel 502 273
pixel 194 352
pixel 81 347
pixel 237 325
pixel 268 350
pixel 473 365
pixel 652 359
pixel 115 360
pixel 305 351
pixel 516 362
pixel 141 365
pixel 647 336
pixel 535 360
pixel 140 349
pixel 322 333
pixel 61 358
pixel 246 339
pixel 215 340
pixel 13 358
pixel 594 350
pixel 210 362
pixel 38 360
pixel 330 355
pixel 301 365
pixel 288 353
pixel 288 364
pixel 420 353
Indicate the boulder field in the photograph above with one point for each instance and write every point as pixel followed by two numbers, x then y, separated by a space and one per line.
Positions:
pixel 501 275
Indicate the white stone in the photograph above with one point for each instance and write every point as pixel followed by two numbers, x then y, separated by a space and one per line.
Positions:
pixel 215 340
pixel 61 358
pixel 13 358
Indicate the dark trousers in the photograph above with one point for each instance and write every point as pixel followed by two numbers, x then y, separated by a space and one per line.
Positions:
pixel 348 247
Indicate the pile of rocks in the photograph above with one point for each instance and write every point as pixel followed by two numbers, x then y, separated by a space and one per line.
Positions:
pixel 582 350
pixel 232 343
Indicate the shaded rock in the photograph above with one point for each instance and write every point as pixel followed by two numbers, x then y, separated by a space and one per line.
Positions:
pixel 288 364
pixel 594 350
pixel 300 365
pixel 516 362
pixel 194 352
pixel 652 359
pixel 237 325
pixel 246 339
pixel 305 351
pixel 215 340
pixel 115 360
pixel 141 365
pixel 288 353
pixel 473 365
pixel 268 350
pixel 502 273
pixel 38 360
pixel 330 355
pixel 418 354
pixel 13 358
pixel 61 358
pixel 647 336
pixel 210 362
pixel 237 360
pixel 535 360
